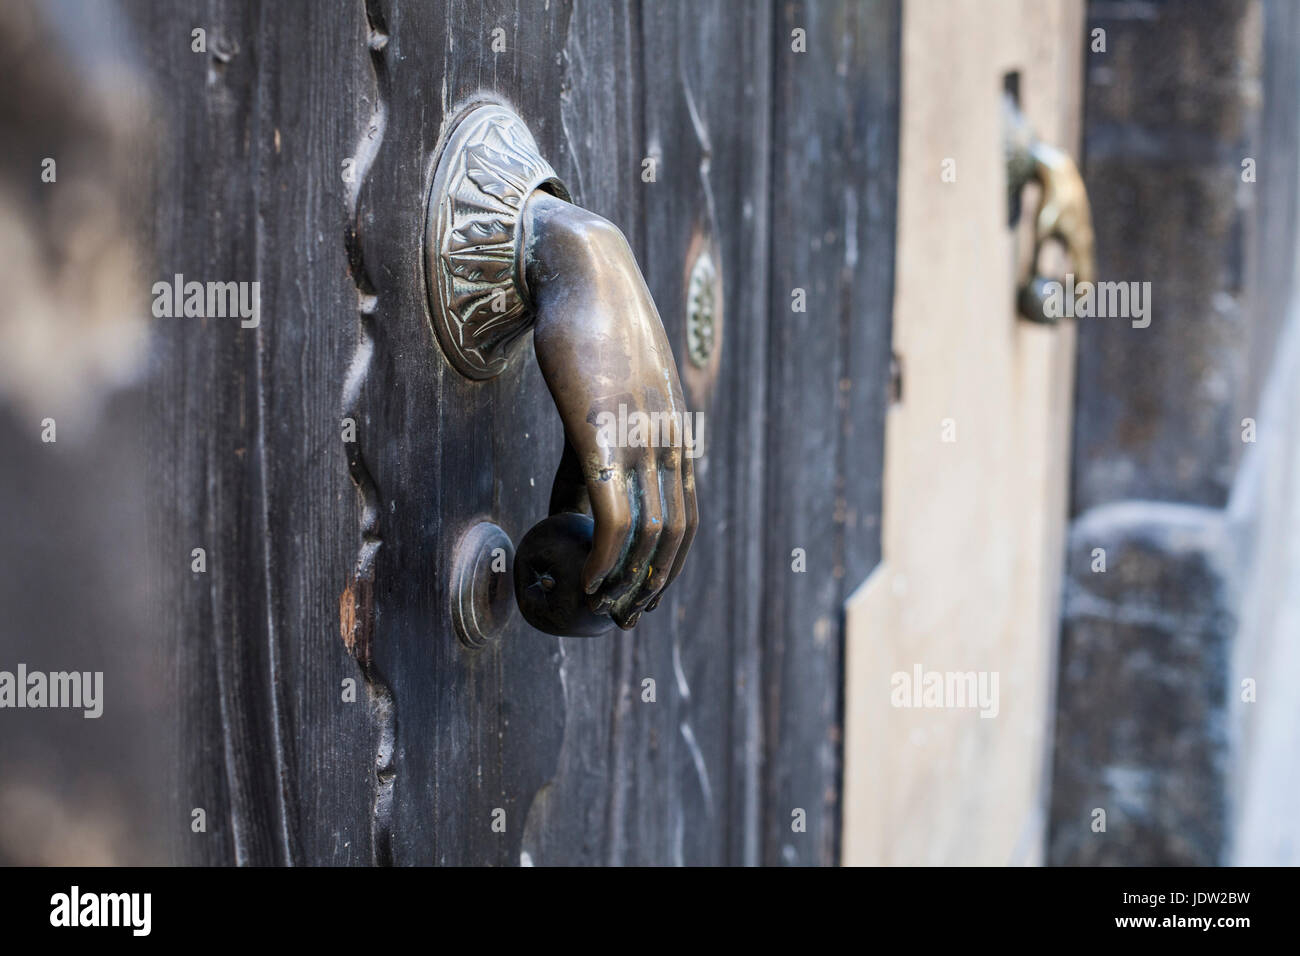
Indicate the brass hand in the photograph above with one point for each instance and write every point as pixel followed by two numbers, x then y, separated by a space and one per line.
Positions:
pixel 605 357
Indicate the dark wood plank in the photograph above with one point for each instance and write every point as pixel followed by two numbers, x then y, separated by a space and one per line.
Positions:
pixel 835 145
pixel 205 393
pixel 693 755
pixel 477 731
pixel 245 427
pixel 316 105
pixel 598 775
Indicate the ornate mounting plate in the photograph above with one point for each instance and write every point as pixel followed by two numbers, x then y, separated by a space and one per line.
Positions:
pixel 488 166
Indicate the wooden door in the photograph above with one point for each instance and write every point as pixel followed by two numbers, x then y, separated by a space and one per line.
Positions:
pixel 329 459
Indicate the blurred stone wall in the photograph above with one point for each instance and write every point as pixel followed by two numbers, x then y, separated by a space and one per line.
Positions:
pixel 1181 459
pixel 76 489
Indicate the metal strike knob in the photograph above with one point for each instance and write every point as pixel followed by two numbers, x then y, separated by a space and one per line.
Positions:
pixel 1063 213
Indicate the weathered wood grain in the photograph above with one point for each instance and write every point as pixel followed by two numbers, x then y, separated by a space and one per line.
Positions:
pixel 834 148
pixel 692 758
pixel 245 427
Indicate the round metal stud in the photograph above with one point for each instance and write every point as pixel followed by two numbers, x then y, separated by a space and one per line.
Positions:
pixel 482 584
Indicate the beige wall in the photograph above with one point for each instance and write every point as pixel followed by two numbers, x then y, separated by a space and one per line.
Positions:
pixel 972 529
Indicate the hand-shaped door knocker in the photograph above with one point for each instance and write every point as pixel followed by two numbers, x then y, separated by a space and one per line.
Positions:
pixel 506 251
pixel 1063 212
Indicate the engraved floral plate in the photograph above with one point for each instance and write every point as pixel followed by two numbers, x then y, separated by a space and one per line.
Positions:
pixel 488 166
